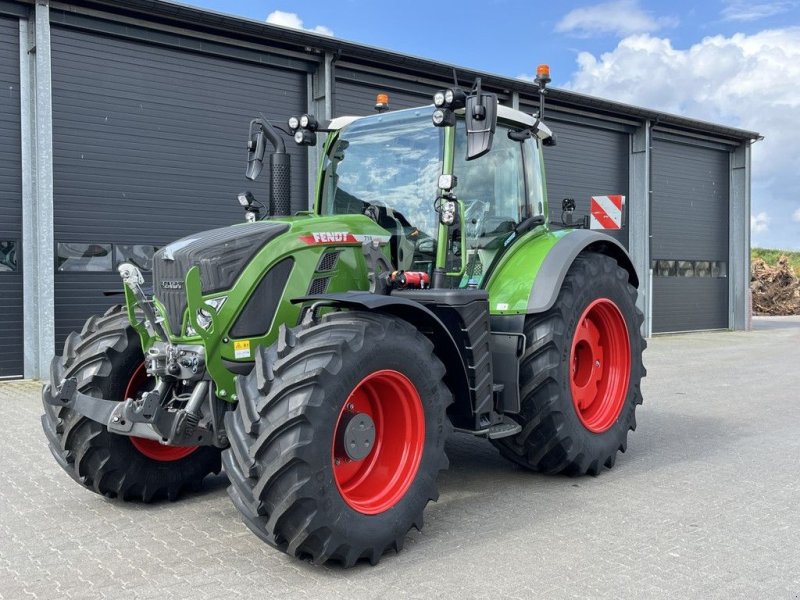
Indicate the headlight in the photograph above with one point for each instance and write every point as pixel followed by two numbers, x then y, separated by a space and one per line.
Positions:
pixel 309 122
pixel 203 316
pixel 294 123
pixel 443 117
pixel 305 137
pixel 448 212
pixel 439 99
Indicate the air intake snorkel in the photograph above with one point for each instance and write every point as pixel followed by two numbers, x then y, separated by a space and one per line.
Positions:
pixel 262 131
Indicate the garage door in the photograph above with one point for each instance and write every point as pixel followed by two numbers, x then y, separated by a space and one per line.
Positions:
pixel 356 90
pixel 11 337
pixel 149 146
pixel 689 236
pixel 586 161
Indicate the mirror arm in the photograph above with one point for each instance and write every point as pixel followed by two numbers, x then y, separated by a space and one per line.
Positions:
pixel 272 135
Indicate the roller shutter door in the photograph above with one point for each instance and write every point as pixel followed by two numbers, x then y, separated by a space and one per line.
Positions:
pixel 149 146
pixel 11 335
pixel 587 161
pixel 689 236
pixel 356 90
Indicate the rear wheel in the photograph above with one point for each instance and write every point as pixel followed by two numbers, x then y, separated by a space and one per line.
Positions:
pixel 107 361
pixel 580 373
pixel 338 437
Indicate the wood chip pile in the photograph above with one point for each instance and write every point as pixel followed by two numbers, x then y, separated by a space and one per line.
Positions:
pixel 776 290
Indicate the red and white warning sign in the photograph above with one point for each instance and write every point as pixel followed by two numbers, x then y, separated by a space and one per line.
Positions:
pixel 607 212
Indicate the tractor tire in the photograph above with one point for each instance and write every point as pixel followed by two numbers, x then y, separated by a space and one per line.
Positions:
pixel 298 486
pixel 580 373
pixel 106 360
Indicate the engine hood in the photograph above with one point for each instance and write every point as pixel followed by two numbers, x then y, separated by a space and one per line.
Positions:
pixel 221 255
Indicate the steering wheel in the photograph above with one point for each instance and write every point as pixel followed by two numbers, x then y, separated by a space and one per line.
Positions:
pixel 373 210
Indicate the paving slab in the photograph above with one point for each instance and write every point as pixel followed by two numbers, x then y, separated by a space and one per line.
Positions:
pixel 705 504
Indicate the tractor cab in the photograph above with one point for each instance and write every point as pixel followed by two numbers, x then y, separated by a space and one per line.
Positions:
pixel 388 166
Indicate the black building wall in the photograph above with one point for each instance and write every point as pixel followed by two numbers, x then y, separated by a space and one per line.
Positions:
pixel 148 147
pixel 150 111
pixel 11 336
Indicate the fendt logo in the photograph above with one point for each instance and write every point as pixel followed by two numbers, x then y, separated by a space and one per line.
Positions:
pixel 172 285
pixel 334 237
pixel 341 237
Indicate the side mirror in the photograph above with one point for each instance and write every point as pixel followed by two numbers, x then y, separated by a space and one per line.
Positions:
pixel 480 116
pixel 256 146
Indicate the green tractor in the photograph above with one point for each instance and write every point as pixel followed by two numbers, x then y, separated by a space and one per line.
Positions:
pixel 325 357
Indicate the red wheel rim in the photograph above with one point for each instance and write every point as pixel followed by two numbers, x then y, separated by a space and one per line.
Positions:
pixel 151 448
pixel 600 363
pixel 377 482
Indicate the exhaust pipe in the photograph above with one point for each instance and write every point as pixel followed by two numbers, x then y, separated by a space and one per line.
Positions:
pixel 280 188
pixel 280 185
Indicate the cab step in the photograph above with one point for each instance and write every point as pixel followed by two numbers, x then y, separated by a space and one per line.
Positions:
pixel 500 430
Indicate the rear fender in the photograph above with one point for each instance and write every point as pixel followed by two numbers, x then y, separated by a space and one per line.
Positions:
pixel 560 258
pixel 529 276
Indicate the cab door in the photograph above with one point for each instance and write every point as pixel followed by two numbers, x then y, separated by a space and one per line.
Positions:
pixel 494 192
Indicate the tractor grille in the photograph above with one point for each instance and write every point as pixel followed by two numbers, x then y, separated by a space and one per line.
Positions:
pixel 221 254
pixel 319 286
pixel 328 261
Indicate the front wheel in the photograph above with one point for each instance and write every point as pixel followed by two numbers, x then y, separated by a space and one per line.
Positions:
pixel 106 360
pixel 580 373
pixel 338 437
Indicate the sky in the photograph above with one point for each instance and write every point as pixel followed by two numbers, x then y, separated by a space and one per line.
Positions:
pixel 728 61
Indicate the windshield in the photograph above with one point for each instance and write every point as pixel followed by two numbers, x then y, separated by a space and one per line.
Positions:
pixel 387 167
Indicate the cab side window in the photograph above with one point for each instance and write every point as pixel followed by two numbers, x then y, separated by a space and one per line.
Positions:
pixel 494 184
pixel 537 194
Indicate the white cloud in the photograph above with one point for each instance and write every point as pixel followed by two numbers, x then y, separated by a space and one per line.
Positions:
pixel 759 223
pixel 619 17
pixel 746 81
pixel 796 216
pixel 744 11
pixel 290 19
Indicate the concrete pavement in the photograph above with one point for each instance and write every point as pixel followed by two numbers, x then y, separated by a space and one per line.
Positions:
pixel 705 504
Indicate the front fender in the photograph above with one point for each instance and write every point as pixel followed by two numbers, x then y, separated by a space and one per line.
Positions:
pixel 421 317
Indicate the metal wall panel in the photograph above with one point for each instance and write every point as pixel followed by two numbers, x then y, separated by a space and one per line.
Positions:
pixel 355 92
pixel 149 146
pixel 689 304
pixel 690 202
pixel 586 161
pixel 11 334
pixel 689 222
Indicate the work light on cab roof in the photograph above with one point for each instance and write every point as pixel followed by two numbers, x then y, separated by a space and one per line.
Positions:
pixel 543 75
pixel 382 102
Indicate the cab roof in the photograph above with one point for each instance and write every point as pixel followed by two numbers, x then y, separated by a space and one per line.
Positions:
pixel 504 113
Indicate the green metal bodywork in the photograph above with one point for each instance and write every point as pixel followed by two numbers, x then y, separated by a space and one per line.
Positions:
pixel 512 280
pixel 350 274
pixel 509 283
